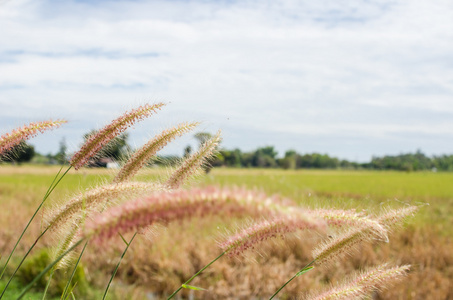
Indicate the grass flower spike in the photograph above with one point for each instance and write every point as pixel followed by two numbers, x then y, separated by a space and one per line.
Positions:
pixel 380 277
pixel 170 206
pixel 95 197
pixel 363 284
pixel 192 164
pixel 249 237
pixel 350 218
pixel 144 154
pixel 341 293
pixel 395 217
pixel 342 244
pixel 68 237
pixel 9 140
pixel 98 140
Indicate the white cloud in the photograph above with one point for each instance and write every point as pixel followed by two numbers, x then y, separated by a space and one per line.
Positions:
pixel 358 68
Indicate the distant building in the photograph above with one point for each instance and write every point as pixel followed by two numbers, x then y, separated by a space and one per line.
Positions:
pixel 103 162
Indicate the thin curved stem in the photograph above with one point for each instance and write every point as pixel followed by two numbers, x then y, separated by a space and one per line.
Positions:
pixel 195 275
pixel 49 191
pixel 50 266
pixel 117 266
pixel 302 271
pixel 21 262
pixel 48 284
pixel 63 296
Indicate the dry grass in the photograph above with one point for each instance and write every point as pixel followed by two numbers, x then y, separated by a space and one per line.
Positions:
pixel 158 267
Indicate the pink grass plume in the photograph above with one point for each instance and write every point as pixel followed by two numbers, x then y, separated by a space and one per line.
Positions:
pixel 259 232
pixel 98 140
pixel 95 197
pixel 350 218
pixel 342 244
pixel 193 163
pixel 364 283
pixel 13 138
pixel 164 207
pixel 145 153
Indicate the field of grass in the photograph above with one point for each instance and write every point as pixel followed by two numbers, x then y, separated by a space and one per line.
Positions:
pixel 155 268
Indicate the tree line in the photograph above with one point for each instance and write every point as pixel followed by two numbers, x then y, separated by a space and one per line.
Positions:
pixel 264 157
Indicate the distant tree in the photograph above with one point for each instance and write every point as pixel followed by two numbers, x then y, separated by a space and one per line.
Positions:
pixel 61 156
pixel 232 158
pixel 443 162
pixel 23 152
pixel 202 137
pixel 403 162
pixel 247 159
pixel 116 149
pixel 265 157
pixel 187 151
pixel 289 161
pixel 167 160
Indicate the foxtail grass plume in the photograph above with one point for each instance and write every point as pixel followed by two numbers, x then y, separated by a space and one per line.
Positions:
pixel 350 218
pixel 92 198
pixel 259 232
pixel 13 138
pixel 364 283
pixel 175 205
pixel 99 139
pixel 144 154
pixel 380 277
pixel 343 243
pixel 347 240
pixel 67 238
pixel 341 293
pixel 193 163
pixel 392 218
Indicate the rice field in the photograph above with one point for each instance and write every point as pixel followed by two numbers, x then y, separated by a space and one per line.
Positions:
pixel 156 266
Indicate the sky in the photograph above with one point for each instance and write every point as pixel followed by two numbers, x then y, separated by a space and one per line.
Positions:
pixel 353 79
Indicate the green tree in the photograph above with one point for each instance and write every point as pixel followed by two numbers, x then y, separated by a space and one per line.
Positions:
pixel 23 152
pixel 289 161
pixel 265 157
pixel 202 137
pixel 232 158
pixel 61 156
pixel 187 151
pixel 216 160
pixel 116 149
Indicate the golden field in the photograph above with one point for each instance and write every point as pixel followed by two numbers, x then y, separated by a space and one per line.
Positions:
pixel 154 268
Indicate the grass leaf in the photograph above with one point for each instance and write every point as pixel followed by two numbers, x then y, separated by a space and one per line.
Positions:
pixel 186 286
pixel 305 270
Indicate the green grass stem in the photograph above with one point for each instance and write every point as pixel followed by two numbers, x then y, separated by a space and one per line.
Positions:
pixel 118 265
pixel 68 284
pixel 195 275
pixel 52 186
pixel 21 262
pixel 302 271
pixel 50 266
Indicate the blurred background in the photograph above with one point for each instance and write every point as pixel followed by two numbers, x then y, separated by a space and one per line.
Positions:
pixel 351 79
pixel 348 86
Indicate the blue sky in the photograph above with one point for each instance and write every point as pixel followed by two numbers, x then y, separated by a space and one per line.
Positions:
pixel 352 79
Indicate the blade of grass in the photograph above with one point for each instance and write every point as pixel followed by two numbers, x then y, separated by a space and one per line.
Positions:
pixel 185 284
pixel 43 272
pixel 20 264
pixel 124 240
pixel 118 265
pixel 48 284
pixel 68 284
pixel 305 269
pixel 49 191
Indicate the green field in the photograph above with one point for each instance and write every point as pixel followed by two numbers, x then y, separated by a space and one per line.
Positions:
pixel 160 266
